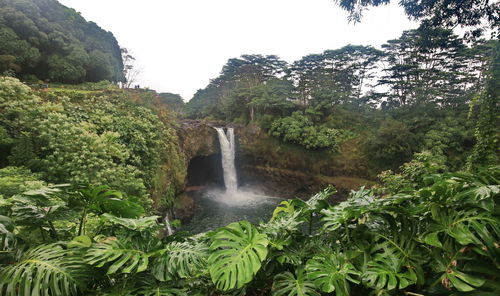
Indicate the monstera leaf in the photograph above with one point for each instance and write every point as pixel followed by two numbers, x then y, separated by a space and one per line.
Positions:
pixel 7 237
pixel 458 269
pixel 467 228
pixel 386 273
pixel 319 201
pixel 359 203
pixel 331 272
pixel 294 255
pixel 181 260
pixel 143 284
pixel 279 231
pixel 121 257
pixel 148 286
pixel 480 196
pixel 139 224
pixel 160 290
pixel 45 270
pixel 6 225
pixel 238 251
pixel 288 284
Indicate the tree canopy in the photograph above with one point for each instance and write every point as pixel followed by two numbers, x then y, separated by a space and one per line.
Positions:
pixel 46 40
pixel 477 14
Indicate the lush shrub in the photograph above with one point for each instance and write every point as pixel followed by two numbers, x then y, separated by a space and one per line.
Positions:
pixel 391 144
pixel 411 174
pixel 298 129
pixel 15 180
pixel 87 138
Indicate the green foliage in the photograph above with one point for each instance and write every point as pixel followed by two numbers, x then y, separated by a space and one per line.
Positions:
pixel 294 285
pixel 439 237
pixel 450 137
pixel 240 89
pixel 89 158
pixel 486 149
pixel 7 238
pixel 180 260
pixel 391 144
pixel 386 274
pixel 330 272
pixel 140 224
pixel 413 172
pixel 335 77
pixel 15 180
pixel 54 42
pixel 469 13
pixel 300 130
pixel 237 253
pixel 118 257
pixel 37 209
pixel 91 138
pixel 174 102
pixel 101 199
pixel 422 77
pixel 45 270
pixel 160 291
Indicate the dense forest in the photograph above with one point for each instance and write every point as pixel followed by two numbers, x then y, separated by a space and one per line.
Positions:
pixel 44 40
pixel 89 170
pixel 411 95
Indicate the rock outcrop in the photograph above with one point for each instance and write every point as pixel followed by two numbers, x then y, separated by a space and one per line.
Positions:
pixel 197 138
pixel 290 171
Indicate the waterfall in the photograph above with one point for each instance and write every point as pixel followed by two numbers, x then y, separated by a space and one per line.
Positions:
pixel 227 148
pixel 168 228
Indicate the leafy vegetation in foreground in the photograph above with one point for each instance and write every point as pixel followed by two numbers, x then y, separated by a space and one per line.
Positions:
pixel 441 238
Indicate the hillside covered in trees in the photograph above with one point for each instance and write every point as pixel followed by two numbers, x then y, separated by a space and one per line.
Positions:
pixel 413 94
pixel 44 40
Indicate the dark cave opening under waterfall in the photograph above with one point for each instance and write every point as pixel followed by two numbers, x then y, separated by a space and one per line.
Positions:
pixel 205 171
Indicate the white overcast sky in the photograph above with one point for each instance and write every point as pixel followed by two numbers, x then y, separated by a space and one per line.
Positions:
pixel 182 44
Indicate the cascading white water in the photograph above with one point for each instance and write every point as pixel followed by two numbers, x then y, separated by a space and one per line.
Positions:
pixel 218 206
pixel 227 148
pixel 168 228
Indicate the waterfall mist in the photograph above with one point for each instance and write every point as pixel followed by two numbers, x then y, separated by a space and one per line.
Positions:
pixel 233 195
pixel 220 206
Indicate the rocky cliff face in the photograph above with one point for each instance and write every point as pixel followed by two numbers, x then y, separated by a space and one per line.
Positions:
pixel 289 171
pixel 197 138
pixel 266 164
